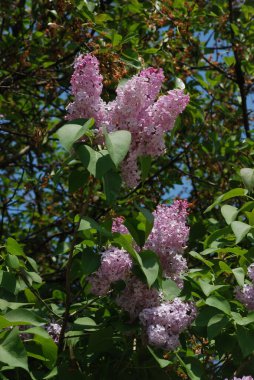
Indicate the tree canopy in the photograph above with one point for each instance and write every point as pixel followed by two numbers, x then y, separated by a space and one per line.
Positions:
pixel 63 186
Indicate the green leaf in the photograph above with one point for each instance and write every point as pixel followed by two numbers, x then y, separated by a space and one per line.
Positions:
pixel 145 163
pixel 218 234
pixel 71 132
pixel 12 351
pixel 86 323
pixel 20 317
pixel 150 266
pixel 240 230
pixel 247 175
pixel 12 261
pixel 245 339
pixel 237 192
pixel 13 247
pixel 179 84
pixel 193 367
pixel 11 305
pixel 33 263
pixel 216 324
pixel 208 288
pixel 197 256
pixel 77 179
pixel 112 184
pixel 162 362
pixel 52 374
pixel 97 163
pixel 125 242
pixel 229 213
pixel 116 39
pixel 87 223
pixel 140 226
pixel 243 321
pixel 34 277
pixel 239 275
pixel 8 281
pixel 170 289
pixel 146 220
pixel 90 262
pixel 118 144
pixel 219 303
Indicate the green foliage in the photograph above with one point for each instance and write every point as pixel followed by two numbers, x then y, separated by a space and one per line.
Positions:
pixel 60 188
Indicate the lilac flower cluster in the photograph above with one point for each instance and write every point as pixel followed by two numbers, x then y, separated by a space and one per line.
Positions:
pixel 136 296
pixel 54 330
pixel 169 237
pixel 164 323
pixel 246 293
pixel 243 378
pixel 86 84
pixel 115 265
pixel 136 109
pixel 118 226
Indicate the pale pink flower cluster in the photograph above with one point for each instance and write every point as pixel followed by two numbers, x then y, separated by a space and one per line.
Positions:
pixel 118 226
pixel 246 293
pixel 164 323
pixel 136 296
pixel 137 108
pixel 115 265
pixel 169 237
pixel 243 378
pixel 54 330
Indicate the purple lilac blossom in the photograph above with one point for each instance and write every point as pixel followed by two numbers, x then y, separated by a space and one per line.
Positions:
pixel 54 330
pixel 137 296
pixel 115 265
pixel 86 85
pixel 169 237
pixel 246 295
pixel 137 108
pixel 118 225
pixel 251 272
pixel 164 323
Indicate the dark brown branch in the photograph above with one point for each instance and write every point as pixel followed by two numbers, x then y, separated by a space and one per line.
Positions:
pixel 239 73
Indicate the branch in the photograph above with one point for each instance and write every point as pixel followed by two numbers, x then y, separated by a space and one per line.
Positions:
pixel 239 74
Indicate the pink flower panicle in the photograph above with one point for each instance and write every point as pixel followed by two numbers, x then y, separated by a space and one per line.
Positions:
pixel 118 226
pixel 164 323
pixel 54 330
pixel 136 109
pixel 251 272
pixel 246 293
pixel 86 85
pixel 137 296
pixel 169 237
pixel 115 265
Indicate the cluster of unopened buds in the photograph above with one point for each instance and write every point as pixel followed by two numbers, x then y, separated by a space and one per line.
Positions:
pixel 162 320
